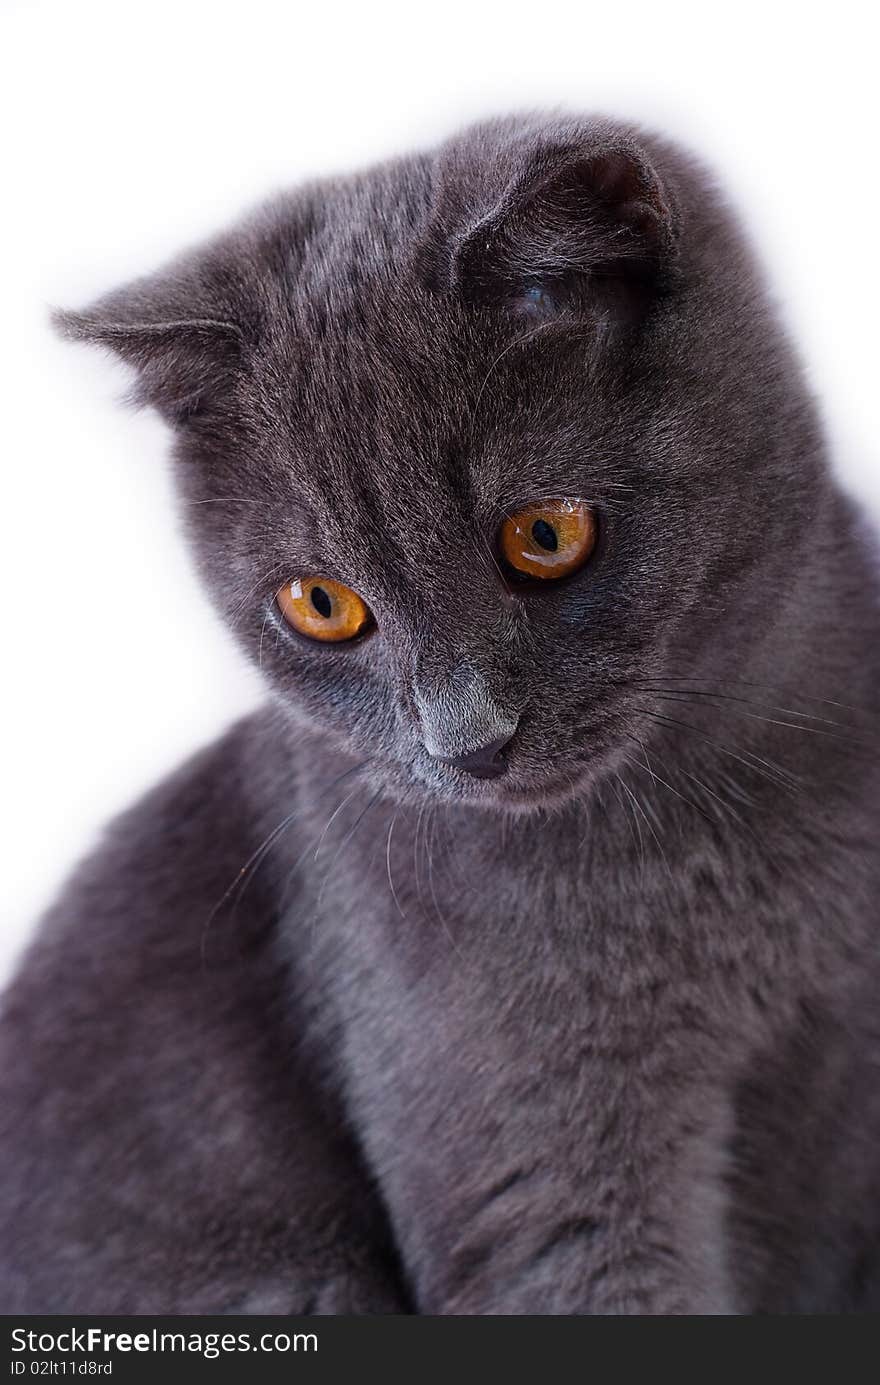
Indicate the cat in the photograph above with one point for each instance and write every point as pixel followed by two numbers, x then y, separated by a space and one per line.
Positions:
pixel 520 953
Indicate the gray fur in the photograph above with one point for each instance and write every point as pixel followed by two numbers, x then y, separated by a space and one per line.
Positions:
pixel 327 1025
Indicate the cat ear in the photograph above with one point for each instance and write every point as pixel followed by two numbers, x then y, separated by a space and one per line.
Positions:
pixel 576 218
pixel 174 329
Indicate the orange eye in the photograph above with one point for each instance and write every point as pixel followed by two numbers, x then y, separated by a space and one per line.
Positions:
pixel 323 609
pixel 549 539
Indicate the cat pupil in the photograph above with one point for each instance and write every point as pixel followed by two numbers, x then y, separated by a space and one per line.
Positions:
pixel 545 535
pixel 321 602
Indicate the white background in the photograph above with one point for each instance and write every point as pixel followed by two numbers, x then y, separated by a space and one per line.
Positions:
pixel 130 129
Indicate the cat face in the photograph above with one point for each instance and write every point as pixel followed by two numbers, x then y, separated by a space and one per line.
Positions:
pixel 468 448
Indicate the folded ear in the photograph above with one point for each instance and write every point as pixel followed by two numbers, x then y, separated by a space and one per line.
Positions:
pixel 175 329
pixel 568 217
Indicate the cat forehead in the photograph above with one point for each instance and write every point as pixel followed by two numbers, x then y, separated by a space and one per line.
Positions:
pixel 473 436
pixel 416 477
pixel 390 376
pixel 383 376
pixel 413 408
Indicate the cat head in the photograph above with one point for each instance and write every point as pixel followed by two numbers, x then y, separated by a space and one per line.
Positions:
pixel 476 445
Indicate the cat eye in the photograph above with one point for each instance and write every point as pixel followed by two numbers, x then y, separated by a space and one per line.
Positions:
pixel 323 609
pixel 549 539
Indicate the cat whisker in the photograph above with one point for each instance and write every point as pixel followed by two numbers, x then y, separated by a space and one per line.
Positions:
pixel 226 500
pixel 313 845
pixel 768 769
pixel 639 807
pixel 332 818
pixel 585 804
pixel 441 917
pixel 262 633
pixel 648 766
pixel 681 684
pixel 251 866
pixel 689 700
pixel 373 799
pixel 734 788
pixel 420 818
pixel 277 570
pixel 717 798
pixel 397 902
pixel 665 783
pixel 731 697
pixel 252 863
pixel 638 841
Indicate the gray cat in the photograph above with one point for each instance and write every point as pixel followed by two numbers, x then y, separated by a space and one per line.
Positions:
pixel 520 955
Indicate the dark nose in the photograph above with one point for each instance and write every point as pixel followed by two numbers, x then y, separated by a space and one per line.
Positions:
pixel 486 762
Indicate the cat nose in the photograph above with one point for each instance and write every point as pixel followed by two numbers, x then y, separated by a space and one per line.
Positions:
pixel 486 762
